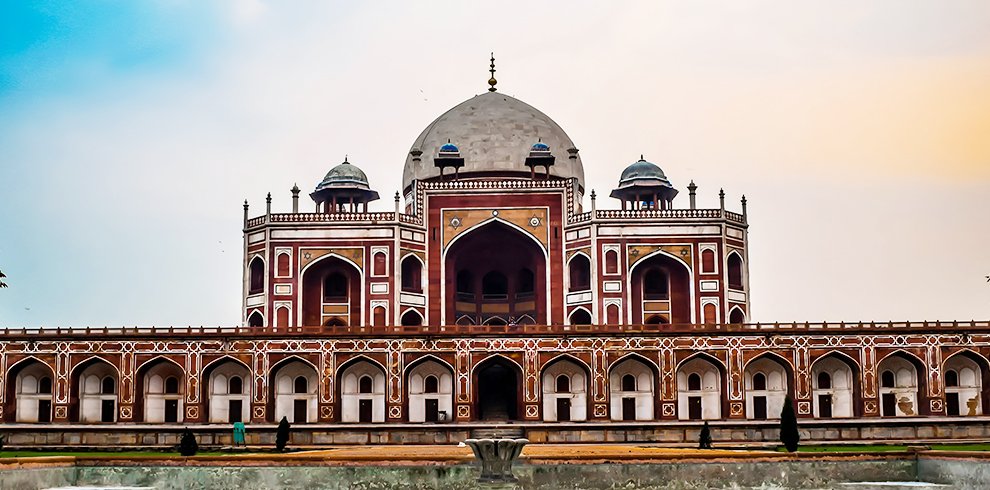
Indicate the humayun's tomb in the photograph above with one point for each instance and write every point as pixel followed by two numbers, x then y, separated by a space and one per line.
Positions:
pixel 495 297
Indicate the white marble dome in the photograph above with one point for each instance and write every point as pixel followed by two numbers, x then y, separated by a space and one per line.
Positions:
pixel 494 133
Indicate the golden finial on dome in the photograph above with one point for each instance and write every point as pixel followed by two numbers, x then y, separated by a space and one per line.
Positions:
pixel 492 81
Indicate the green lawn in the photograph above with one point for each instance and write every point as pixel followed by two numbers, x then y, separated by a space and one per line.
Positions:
pixel 888 447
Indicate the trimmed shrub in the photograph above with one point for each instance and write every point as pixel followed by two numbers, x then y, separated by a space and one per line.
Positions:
pixel 788 426
pixel 282 434
pixel 188 445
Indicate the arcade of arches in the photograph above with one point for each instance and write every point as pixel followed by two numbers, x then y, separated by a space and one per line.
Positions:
pixel 495 388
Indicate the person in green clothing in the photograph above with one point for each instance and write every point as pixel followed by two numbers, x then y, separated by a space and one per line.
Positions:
pixel 239 432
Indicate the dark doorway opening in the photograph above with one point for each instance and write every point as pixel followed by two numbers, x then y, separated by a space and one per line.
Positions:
pixel 760 407
pixel 825 406
pixel 628 408
pixel 952 403
pixel 234 411
pixel 563 409
pixel 107 410
pixel 44 411
pixel 694 407
pixel 300 411
pixel 364 411
pixel 497 392
pixel 889 404
pixel 171 411
pixel 432 410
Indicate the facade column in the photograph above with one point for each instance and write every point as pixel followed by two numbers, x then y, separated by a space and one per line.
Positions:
pixel 61 389
pixel 599 382
pixel 868 381
pixel 193 405
pixel 531 383
pixel 328 389
pixel 127 385
pixel 734 384
pixel 802 382
pixel 395 396
pixel 667 381
pixel 259 388
pixel 462 382
pixel 933 402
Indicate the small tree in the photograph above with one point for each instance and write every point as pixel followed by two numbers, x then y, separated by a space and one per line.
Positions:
pixel 282 434
pixel 788 426
pixel 705 438
pixel 187 445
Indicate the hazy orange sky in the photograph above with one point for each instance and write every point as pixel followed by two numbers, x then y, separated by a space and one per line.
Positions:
pixel 131 133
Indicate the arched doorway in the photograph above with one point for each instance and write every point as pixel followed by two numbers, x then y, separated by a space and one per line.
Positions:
pixel 497 384
pixel 768 381
pixel 495 272
pixel 661 287
pixel 834 379
pixel 227 392
pixel 31 391
pixel 431 391
pixel 565 391
pixel 331 293
pixel 631 389
pixel 899 385
pixel 94 397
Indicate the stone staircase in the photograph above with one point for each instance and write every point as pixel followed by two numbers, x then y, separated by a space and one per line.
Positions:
pixel 498 432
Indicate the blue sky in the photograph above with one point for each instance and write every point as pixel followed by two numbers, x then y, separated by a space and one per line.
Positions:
pixel 130 132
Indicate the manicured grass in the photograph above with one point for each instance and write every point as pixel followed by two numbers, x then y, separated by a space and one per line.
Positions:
pixel 866 448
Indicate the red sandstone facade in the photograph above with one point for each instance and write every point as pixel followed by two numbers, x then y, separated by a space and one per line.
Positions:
pixel 492 295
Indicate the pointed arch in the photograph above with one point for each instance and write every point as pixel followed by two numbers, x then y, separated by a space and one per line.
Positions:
pixel 256 318
pixel 425 358
pixel 489 221
pixel 706 356
pixel 636 356
pixel 32 410
pixel 736 315
pixel 684 267
pixel 571 320
pixel 256 274
pixel 734 267
pixel 579 272
pixel 411 274
pixel 566 357
pixel 411 317
pixel 494 358
pixel 86 406
pixel 632 392
pixel 966 399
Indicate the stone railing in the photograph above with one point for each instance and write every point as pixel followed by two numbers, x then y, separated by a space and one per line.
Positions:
pixel 56 333
pixel 320 218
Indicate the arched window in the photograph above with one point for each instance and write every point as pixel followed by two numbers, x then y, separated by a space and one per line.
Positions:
pixel 711 313
pixel 580 273
pixel 365 384
pixel 494 286
pixel 335 321
pixel 412 274
pixel 282 317
pixel 431 384
pixel 465 285
pixel 256 320
pixel 171 385
pixel 257 276
pixel 45 385
pixel 612 315
pixel 108 386
pixel 628 383
pixel 335 288
pixel 736 316
pixel 735 271
pixel 824 381
pixel 694 382
pixel 951 378
pixel 300 385
pixel 283 265
pixel 655 320
pixel 563 384
pixel 611 262
pixel 235 386
pixel 380 266
pixel 580 317
pixel 379 316
pixel 759 382
pixel 526 284
pixel 707 261
pixel 411 318
pixel 887 379
pixel 656 284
